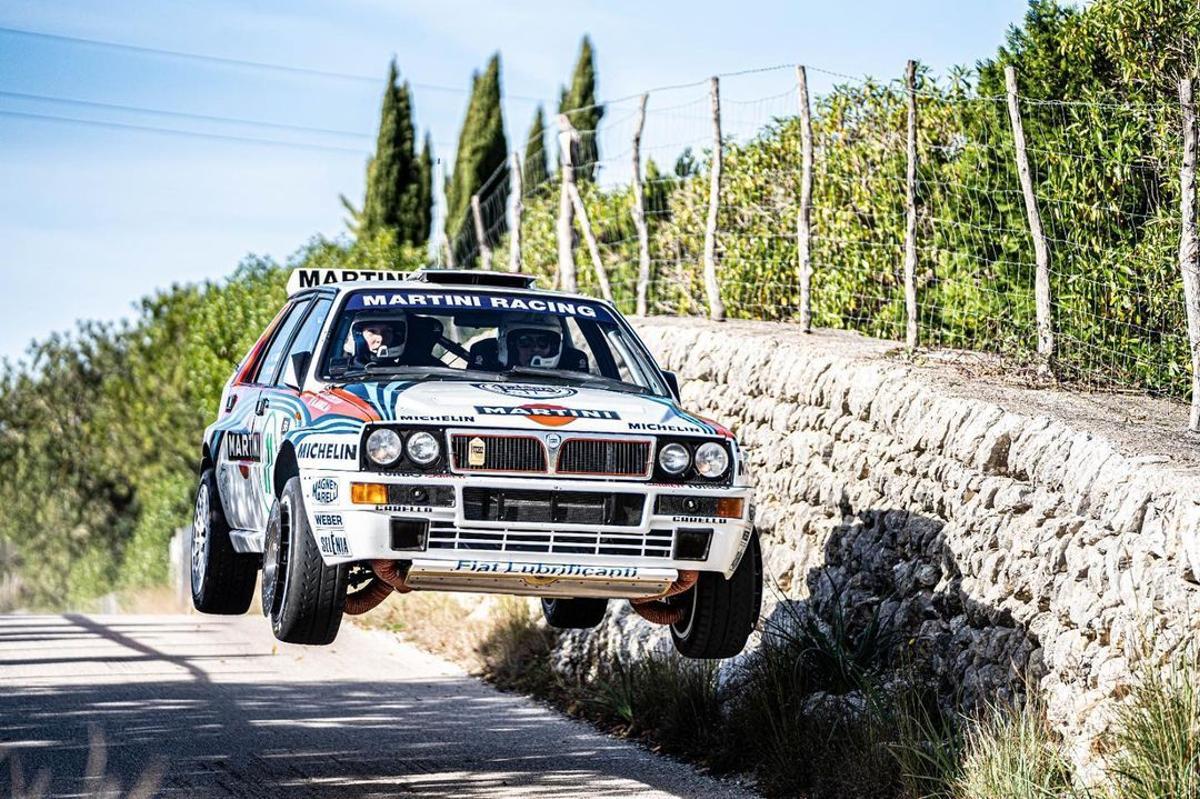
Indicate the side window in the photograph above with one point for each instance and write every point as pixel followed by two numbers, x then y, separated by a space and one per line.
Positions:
pixel 283 335
pixel 305 341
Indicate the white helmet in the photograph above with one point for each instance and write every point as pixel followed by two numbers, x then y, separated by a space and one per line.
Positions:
pixel 395 323
pixel 546 336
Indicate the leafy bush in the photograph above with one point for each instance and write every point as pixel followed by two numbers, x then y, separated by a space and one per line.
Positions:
pixel 100 429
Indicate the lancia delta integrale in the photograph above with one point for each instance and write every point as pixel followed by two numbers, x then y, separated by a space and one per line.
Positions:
pixel 463 431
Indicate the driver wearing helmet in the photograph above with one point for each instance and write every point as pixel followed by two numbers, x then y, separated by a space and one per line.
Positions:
pixel 530 340
pixel 378 338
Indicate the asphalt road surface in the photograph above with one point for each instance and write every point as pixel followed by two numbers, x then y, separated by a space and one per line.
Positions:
pixel 219 708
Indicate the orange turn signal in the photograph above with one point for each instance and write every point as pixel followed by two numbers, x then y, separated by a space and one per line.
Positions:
pixel 369 493
pixel 729 508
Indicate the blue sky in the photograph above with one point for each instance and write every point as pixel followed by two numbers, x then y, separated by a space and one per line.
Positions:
pixel 92 217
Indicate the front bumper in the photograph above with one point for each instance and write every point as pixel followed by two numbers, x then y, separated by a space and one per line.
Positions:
pixel 542 558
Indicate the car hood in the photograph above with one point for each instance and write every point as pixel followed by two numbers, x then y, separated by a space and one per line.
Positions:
pixel 522 406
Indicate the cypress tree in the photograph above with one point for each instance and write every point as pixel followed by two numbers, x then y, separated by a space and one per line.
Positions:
pixel 399 195
pixel 482 152
pixel 579 104
pixel 423 205
pixel 535 171
pixel 392 170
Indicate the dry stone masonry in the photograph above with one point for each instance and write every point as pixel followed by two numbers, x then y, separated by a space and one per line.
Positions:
pixel 1004 544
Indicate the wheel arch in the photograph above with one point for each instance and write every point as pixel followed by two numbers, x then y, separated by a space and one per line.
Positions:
pixel 286 467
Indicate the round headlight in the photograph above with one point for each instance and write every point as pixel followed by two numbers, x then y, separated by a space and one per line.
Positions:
pixel 711 460
pixel 384 447
pixel 674 458
pixel 423 448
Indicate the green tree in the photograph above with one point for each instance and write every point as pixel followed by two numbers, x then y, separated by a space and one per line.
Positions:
pixel 534 172
pixel 423 210
pixel 479 165
pixel 397 195
pixel 579 104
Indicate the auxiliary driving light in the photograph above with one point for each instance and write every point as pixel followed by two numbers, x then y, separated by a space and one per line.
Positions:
pixel 711 460
pixel 674 458
pixel 384 447
pixel 422 448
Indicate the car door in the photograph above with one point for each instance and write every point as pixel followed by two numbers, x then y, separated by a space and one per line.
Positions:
pixel 278 406
pixel 239 463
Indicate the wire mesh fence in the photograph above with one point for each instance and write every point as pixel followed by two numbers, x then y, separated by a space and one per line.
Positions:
pixel 1104 185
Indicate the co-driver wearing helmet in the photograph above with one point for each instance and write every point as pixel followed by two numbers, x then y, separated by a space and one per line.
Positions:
pixel 530 340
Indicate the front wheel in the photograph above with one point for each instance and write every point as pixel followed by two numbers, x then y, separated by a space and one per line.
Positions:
pixel 222 578
pixel 720 614
pixel 302 596
pixel 574 614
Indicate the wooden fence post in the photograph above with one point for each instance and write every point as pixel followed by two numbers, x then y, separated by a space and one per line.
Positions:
pixel 566 251
pixel 572 191
pixel 639 213
pixel 1189 250
pixel 485 249
pixel 804 215
pixel 517 189
pixel 716 308
pixel 910 203
pixel 448 250
pixel 1041 252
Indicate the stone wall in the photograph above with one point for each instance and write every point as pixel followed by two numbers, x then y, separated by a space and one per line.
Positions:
pixel 1002 536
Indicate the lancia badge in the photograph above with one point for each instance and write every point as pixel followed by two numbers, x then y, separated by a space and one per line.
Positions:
pixel 476 452
pixel 553 440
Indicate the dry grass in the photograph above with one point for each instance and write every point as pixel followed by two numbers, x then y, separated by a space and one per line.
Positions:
pixel 451 625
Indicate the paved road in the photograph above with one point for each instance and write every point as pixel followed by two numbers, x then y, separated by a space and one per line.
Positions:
pixel 223 710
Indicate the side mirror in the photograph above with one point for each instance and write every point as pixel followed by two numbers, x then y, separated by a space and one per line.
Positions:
pixel 299 367
pixel 672 383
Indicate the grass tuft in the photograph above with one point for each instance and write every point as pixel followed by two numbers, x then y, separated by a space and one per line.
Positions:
pixel 1012 754
pixel 1158 735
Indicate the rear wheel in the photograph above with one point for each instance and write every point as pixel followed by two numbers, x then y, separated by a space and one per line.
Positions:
pixel 222 578
pixel 574 614
pixel 720 614
pixel 302 596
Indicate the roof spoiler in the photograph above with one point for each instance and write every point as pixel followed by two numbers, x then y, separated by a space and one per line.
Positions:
pixel 475 277
pixel 301 279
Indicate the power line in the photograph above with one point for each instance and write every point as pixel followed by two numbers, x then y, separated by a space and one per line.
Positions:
pixel 184 114
pixel 237 62
pixel 189 133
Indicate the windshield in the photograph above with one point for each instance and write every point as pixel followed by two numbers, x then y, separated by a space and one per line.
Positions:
pixel 417 332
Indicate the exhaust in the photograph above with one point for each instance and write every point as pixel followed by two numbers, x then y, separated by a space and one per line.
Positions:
pixel 656 611
pixel 388 578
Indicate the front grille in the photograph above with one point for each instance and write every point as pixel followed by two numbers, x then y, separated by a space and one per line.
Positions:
pixel 500 453
pixel 604 456
pixel 653 544
pixel 549 507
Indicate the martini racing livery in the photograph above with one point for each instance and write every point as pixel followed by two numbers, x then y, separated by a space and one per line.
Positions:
pixel 464 431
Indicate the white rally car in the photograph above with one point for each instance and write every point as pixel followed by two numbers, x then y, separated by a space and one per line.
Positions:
pixel 463 431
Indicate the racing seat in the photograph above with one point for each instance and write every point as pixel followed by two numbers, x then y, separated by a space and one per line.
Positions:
pixel 423 334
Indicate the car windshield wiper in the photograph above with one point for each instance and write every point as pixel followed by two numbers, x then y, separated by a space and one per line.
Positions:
pixel 568 375
pixel 417 373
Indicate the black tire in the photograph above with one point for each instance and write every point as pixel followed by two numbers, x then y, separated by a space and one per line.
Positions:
pixel 720 614
pixel 222 578
pixel 574 614
pixel 301 596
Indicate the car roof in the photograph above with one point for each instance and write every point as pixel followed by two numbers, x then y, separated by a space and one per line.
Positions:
pixel 338 281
